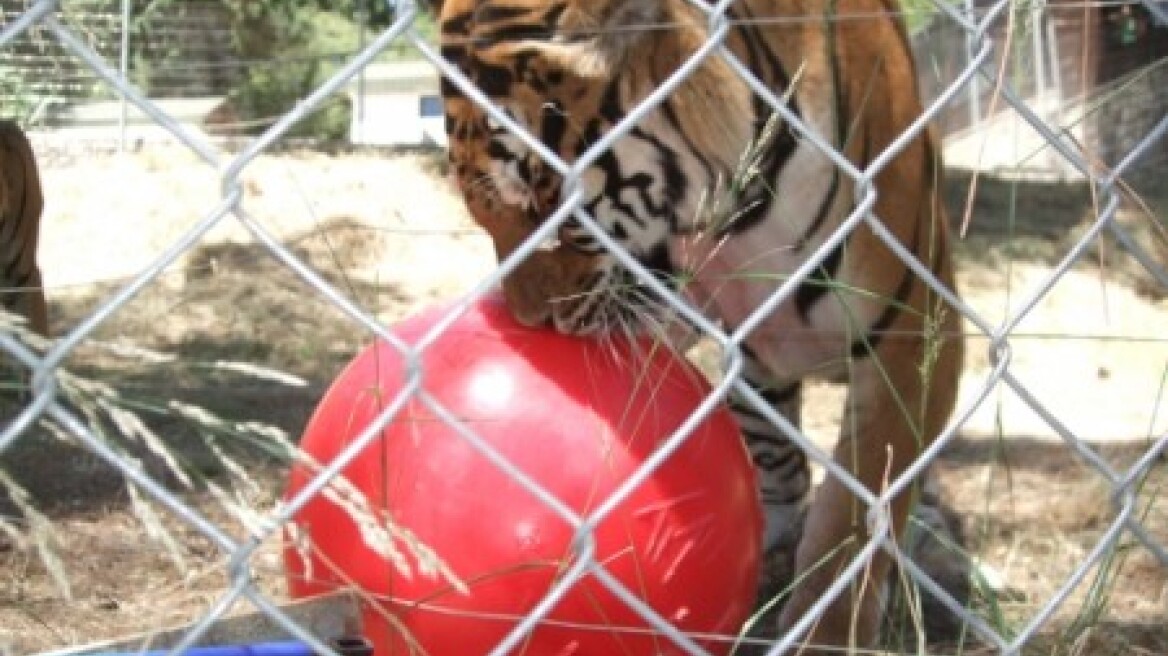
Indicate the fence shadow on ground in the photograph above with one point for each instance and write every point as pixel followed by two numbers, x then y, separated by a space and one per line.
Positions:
pixel 231 331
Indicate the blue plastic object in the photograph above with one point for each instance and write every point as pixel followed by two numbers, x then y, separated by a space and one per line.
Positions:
pixel 343 646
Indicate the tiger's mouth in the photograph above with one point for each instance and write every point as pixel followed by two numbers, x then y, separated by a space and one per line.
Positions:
pixel 615 303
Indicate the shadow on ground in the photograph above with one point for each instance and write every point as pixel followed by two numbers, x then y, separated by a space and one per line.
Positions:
pixel 1039 221
pixel 233 332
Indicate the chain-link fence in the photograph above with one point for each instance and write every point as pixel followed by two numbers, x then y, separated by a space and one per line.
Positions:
pixel 1069 589
pixel 220 66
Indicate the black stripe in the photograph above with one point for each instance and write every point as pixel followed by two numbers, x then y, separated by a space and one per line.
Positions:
pixel 823 212
pixel 486 14
pixel 864 347
pixel 818 283
pixel 493 81
pixel 493 13
pixel 739 407
pixel 756 206
pixel 769 497
pixel 675 181
pixel 790 449
pixel 781 396
pixel 611 108
pixel 758 49
pixel 589 135
pixel 771 462
pixel 458 25
pixel 670 114
pixel 658 262
pixel 614 183
pixel 841 127
pixel 512 33
pixel 872 339
pixel 551 18
pixel 497 151
pixel 553 125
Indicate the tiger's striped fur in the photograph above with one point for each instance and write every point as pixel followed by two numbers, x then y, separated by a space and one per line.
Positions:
pixel 21 202
pixel 672 191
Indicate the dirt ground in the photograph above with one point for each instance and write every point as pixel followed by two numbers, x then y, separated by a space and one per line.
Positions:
pixel 386 232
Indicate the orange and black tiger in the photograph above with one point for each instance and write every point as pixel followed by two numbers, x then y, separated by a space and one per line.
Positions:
pixel 742 208
pixel 21 202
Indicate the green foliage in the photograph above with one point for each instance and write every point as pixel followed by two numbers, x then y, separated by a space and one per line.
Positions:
pixel 270 91
pixel 917 13
pixel 296 48
pixel 19 100
pixel 376 12
pixel 290 47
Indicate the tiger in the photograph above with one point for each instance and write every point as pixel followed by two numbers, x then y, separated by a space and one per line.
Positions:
pixel 724 200
pixel 21 204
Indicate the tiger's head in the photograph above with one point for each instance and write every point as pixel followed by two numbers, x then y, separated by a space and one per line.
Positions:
pixel 567 71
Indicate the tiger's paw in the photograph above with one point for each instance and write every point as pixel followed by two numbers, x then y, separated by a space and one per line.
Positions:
pixel 934 542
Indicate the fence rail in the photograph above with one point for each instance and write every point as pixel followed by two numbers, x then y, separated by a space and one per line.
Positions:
pixel 1134 521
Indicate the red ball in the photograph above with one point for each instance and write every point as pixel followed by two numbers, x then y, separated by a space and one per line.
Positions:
pixel 577 416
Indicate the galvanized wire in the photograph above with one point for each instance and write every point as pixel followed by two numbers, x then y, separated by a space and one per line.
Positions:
pixel 46 398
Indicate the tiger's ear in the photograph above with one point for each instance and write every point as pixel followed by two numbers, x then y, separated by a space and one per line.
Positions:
pixel 595 38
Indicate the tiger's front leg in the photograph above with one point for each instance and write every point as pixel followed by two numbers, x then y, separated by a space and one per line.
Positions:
pixel 900 396
pixel 784 476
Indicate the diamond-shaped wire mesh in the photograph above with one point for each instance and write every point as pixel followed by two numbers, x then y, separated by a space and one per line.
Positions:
pixel 993 80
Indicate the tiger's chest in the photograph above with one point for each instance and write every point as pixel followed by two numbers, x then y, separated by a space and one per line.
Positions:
pixel 734 278
pixel 739 296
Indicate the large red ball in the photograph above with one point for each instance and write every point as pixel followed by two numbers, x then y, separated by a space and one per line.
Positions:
pixel 579 417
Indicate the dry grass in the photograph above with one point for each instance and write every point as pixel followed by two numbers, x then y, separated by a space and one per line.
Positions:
pixel 388 234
